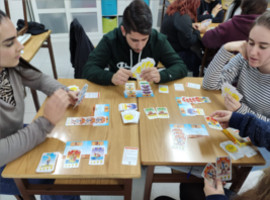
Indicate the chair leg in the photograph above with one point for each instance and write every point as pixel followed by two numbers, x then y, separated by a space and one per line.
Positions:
pixel 35 99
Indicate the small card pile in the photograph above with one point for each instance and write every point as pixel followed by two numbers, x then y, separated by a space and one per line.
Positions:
pixel 212 123
pixel 47 162
pixel 230 90
pixel 222 170
pixel 127 106
pixel 130 116
pixel 140 66
pixel 130 90
pixel 163 89
pixel 81 95
pixel 159 112
pixel 146 90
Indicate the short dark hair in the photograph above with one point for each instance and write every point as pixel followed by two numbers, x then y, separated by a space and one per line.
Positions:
pixel 253 7
pixel 138 18
pixel 2 15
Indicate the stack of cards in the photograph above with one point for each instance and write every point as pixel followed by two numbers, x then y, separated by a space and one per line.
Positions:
pixel 130 116
pixel 230 90
pixel 222 170
pixel 159 112
pixel 139 67
pixel 81 95
pixel 127 106
pixel 146 90
pixel 47 162
pixel 212 123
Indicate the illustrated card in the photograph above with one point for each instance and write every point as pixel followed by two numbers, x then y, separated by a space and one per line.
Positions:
pixel 179 87
pixel 127 106
pixel 212 123
pixel 232 91
pixel 73 158
pixel 209 173
pixel 224 168
pixel 163 89
pixel 162 112
pixel 81 95
pixel 194 85
pixel 130 116
pixel 150 113
pixel 77 121
pixel 47 162
pixel 179 137
pixel 97 155
pixel 195 130
pixel 92 95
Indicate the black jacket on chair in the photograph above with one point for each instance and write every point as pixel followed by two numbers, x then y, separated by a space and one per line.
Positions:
pixel 80 47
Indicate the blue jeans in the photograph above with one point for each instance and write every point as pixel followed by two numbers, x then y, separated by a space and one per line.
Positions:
pixel 8 187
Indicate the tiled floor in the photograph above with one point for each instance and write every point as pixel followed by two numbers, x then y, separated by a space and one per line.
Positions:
pixel 64 69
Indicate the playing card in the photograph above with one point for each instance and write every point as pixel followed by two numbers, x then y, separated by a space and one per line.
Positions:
pixel 163 89
pixel 47 162
pixel 130 156
pixel 212 123
pixel 179 87
pixel 224 168
pixel 127 106
pixel 130 116
pixel 162 112
pixel 150 113
pixel 73 158
pixel 209 173
pixel 232 91
pixel 179 138
pixel 97 155
pixel 81 95
pixel 194 85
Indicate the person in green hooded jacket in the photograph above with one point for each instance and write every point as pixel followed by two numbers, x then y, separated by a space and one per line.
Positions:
pixel 126 45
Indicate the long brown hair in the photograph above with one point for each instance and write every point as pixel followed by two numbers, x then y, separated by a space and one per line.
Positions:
pixel 184 7
pixel 260 192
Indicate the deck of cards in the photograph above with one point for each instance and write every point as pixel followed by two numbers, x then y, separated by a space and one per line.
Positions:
pixel 81 95
pixel 228 89
pixel 130 116
pixel 140 66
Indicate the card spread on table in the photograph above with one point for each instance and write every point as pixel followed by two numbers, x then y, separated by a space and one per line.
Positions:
pixel 179 87
pixel 73 158
pixel 224 168
pixel 232 91
pixel 130 156
pixel 178 136
pixel 163 89
pixel 194 85
pixel 97 155
pixel 47 162
pixel 130 116
pixel 212 123
pixel 81 95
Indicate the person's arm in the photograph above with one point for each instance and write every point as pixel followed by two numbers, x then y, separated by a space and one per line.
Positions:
pixel 216 197
pixel 223 68
pixel 256 129
pixel 214 193
pixel 96 63
pixel 186 34
pixel 175 67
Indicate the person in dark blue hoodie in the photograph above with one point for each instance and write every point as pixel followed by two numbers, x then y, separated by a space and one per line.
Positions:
pixel 210 9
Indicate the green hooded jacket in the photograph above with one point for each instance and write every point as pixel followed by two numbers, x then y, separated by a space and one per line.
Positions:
pixel 114 52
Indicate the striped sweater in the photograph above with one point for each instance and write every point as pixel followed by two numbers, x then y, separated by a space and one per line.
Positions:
pixel 251 83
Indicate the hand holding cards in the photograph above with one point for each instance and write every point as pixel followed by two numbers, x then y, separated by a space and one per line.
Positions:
pixel 81 95
pixel 230 90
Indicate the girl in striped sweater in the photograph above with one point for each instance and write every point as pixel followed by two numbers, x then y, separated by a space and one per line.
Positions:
pixel 250 68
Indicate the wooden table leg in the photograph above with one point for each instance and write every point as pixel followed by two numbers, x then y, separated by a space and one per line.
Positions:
pixel 128 189
pixel 35 99
pixel 239 176
pixel 49 46
pixel 148 182
pixel 22 185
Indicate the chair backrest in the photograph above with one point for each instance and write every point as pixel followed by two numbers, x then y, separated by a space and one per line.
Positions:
pixel 80 47
pixel 25 28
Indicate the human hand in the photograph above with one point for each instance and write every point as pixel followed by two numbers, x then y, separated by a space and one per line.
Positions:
pixel 209 189
pixel 237 46
pixel 223 117
pixel 56 106
pixel 121 76
pixel 216 10
pixel 151 74
pixel 73 96
pixel 231 104
pixel 200 27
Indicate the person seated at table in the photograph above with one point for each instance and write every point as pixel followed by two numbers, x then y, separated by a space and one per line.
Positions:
pixel 233 9
pixel 261 191
pixel 238 27
pixel 182 35
pixel 210 9
pixel 15 73
pixel 126 45
pixel 250 68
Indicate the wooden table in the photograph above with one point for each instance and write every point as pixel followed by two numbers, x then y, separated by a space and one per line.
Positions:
pixel 117 134
pixel 211 26
pixel 156 144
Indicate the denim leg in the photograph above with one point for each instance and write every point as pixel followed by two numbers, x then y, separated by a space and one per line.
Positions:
pixel 7 185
